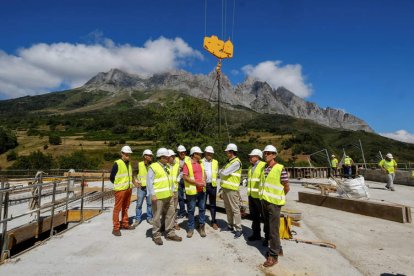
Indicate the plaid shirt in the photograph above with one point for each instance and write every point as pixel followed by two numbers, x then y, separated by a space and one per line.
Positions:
pixel 283 177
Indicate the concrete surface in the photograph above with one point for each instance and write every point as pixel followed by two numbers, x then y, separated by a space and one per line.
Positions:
pixel 365 246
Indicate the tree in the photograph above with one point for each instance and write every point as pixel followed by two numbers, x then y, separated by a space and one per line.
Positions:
pixel 78 160
pixel 8 140
pixel 55 139
pixel 35 161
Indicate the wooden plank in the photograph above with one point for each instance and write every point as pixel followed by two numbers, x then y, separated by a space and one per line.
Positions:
pixel 75 215
pixel 87 174
pixel 393 212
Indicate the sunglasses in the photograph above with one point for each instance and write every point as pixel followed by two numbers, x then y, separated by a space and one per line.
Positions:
pixel 268 153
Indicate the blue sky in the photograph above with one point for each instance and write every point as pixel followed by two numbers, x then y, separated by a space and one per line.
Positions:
pixel 352 55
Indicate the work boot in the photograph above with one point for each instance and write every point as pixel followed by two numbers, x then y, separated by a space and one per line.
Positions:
pixel 157 241
pixel 177 227
pixel 203 231
pixel 136 223
pixel 116 233
pixel 254 238
pixel 149 221
pixel 215 226
pixel 129 227
pixel 190 233
pixel 270 261
pixel 174 238
pixel 392 189
pixel 238 234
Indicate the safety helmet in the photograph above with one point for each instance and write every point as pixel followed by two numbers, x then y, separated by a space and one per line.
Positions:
pixel 333 155
pixel 232 147
pixel 209 149
pixel 195 150
pixel 126 149
pixel 181 148
pixel 256 152
pixel 389 155
pixel 171 152
pixel 270 148
pixel 162 152
pixel 147 152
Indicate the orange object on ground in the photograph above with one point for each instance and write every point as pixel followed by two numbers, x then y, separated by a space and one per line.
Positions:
pixel 122 201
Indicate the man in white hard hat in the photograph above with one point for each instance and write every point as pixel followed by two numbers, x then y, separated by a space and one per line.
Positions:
pixel 121 177
pixel 230 183
pixel 334 165
pixel 211 169
pixel 389 166
pixel 195 185
pixel 182 157
pixel 174 172
pixel 254 177
pixel 160 188
pixel 273 196
pixel 142 188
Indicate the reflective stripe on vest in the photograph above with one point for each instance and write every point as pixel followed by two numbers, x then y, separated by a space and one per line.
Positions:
pixel 174 172
pixel 272 190
pixel 142 173
pixel 162 184
pixel 214 172
pixel 253 181
pixel 232 181
pixel 123 178
pixel 191 189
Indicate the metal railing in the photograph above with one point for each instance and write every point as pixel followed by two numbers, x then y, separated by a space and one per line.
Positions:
pixel 72 187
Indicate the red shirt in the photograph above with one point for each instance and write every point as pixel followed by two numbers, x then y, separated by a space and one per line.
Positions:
pixel 198 173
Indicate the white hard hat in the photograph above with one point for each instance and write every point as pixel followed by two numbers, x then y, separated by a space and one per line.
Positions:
pixel 147 152
pixel 270 148
pixel 195 150
pixel 181 148
pixel 232 147
pixel 209 149
pixel 389 155
pixel 162 152
pixel 171 152
pixel 256 152
pixel 333 155
pixel 126 149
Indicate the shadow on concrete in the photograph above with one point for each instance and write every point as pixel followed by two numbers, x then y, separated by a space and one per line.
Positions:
pixel 392 274
pixel 247 232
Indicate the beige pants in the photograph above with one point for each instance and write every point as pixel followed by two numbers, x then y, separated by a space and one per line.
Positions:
pixel 163 212
pixel 232 204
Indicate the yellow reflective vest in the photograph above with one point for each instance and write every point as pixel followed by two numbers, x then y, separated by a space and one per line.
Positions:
pixel 334 163
pixel 174 172
pixel 191 189
pixel 389 166
pixel 142 173
pixel 272 190
pixel 214 172
pixel 347 161
pixel 123 178
pixel 232 181
pixel 162 184
pixel 253 180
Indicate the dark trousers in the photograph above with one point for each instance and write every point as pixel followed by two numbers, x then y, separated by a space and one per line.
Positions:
pixel 255 207
pixel 271 213
pixel 181 200
pixel 211 193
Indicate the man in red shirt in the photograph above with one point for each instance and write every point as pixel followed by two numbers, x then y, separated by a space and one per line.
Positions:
pixel 195 183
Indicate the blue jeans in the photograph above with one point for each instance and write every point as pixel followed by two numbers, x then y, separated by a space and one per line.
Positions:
pixel 181 201
pixel 348 171
pixel 141 194
pixel 198 200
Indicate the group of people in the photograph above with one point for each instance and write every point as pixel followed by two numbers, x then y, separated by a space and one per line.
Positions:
pixel 388 165
pixel 164 182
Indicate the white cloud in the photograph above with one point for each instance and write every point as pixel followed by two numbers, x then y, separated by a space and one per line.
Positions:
pixel 400 135
pixel 276 75
pixel 44 67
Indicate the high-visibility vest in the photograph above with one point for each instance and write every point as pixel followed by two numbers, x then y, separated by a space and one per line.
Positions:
pixel 347 161
pixel 272 190
pixel 174 172
pixel 253 180
pixel 334 163
pixel 186 159
pixel 389 166
pixel 191 189
pixel 162 184
pixel 214 172
pixel 232 181
pixel 142 173
pixel 123 178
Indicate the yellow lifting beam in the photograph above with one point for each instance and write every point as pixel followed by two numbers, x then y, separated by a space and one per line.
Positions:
pixel 218 48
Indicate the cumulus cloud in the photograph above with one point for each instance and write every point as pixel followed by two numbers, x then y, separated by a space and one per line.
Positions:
pixel 44 67
pixel 276 75
pixel 400 135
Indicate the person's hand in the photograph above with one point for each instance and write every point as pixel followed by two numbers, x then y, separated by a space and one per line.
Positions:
pixel 154 198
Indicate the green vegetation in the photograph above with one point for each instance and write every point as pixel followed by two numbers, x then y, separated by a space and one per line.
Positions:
pixel 8 140
pixel 55 139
